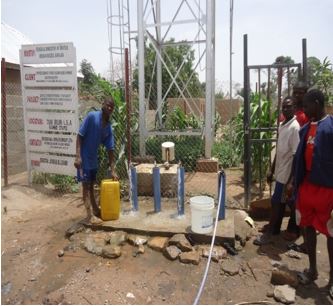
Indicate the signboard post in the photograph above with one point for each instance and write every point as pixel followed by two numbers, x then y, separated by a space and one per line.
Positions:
pixel 50 104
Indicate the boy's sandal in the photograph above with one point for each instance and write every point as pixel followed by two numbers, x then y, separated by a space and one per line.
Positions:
pixel 263 239
pixel 300 248
pixel 306 277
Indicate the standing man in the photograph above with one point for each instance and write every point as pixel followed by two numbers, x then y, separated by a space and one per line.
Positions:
pixel 95 130
pixel 293 231
pixel 281 167
pixel 314 182
pixel 299 90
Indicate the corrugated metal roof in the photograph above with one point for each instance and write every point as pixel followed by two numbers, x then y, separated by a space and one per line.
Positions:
pixel 11 41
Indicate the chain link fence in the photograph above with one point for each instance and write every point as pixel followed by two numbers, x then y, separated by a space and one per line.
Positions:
pixel 178 116
pixel 14 122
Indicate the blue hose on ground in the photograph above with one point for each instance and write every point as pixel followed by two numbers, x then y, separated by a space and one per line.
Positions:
pixel 211 245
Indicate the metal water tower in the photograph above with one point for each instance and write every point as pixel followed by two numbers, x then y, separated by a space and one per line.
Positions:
pixel 118 19
pixel 189 22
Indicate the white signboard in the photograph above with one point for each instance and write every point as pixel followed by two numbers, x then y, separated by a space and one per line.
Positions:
pixel 49 76
pixel 54 143
pixel 51 122
pixel 53 164
pixel 48 53
pixel 50 104
pixel 50 99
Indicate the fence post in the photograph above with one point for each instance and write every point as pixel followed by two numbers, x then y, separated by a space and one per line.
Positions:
pixel 128 109
pixel 181 190
pixel 134 188
pixel 4 120
pixel 221 194
pixel 246 121
pixel 157 188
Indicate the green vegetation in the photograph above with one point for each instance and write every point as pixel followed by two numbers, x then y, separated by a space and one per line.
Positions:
pixel 63 183
pixel 178 120
pixel 98 88
pixel 323 79
pixel 174 56
pixel 230 148
pixel 260 152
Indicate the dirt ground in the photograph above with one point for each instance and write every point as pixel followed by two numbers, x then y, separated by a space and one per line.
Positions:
pixel 33 225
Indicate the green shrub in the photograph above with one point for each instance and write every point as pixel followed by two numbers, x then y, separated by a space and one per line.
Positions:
pixel 228 150
pixel 64 183
pixel 178 120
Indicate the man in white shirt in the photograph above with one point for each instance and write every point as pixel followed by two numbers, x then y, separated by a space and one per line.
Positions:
pixel 285 150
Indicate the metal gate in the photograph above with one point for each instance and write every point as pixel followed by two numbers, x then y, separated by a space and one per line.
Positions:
pixel 260 120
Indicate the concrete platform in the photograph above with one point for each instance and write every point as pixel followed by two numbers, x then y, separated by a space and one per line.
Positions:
pixel 168 179
pixel 167 223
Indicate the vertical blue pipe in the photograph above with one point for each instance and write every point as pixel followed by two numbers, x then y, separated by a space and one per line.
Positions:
pixel 157 189
pixel 221 194
pixel 134 188
pixel 181 190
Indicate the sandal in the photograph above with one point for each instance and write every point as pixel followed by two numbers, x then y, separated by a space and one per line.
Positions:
pixel 306 277
pixel 263 240
pixel 300 248
pixel 231 250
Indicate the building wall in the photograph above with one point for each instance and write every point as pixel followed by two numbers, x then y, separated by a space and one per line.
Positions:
pixel 225 108
pixel 15 121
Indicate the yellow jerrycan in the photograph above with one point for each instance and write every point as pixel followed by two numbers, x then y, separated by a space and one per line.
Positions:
pixel 110 200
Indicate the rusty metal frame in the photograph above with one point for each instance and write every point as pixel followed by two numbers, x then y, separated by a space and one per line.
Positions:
pixel 248 139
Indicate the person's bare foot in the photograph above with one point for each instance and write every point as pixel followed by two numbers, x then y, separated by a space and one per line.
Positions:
pixel 95 220
pixel 97 213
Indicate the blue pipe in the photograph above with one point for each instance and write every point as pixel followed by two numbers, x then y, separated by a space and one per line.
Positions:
pixel 134 188
pixel 181 190
pixel 221 194
pixel 157 189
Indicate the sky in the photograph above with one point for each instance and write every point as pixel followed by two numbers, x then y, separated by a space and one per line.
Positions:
pixel 274 27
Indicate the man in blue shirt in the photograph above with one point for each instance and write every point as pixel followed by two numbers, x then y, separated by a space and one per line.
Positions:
pixel 94 131
pixel 314 182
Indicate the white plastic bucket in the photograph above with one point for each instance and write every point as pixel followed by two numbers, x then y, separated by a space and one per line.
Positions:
pixel 202 214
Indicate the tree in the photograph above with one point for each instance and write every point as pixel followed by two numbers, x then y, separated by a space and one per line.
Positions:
pixel 312 63
pixel 89 75
pixel 284 60
pixel 323 79
pixel 173 56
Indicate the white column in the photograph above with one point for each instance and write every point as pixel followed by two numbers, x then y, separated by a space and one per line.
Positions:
pixel 141 64
pixel 158 63
pixel 209 70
